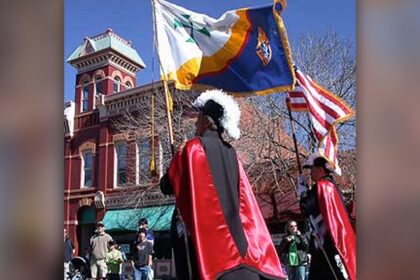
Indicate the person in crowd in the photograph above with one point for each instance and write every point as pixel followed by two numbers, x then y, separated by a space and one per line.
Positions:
pixel 215 200
pixel 294 247
pixel 113 261
pixel 143 224
pixel 142 260
pixel 149 233
pixel 68 253
pixel 98 250
pixel 333 242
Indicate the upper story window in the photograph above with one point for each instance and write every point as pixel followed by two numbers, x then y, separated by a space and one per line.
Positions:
pixel 87 169
pixel 98 84
pixel 116 85
pixel 128 85
pixel 143 159
pixel 85 98
pixel 121 163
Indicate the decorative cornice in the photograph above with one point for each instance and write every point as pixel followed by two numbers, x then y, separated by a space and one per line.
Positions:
pixel 101 59
pixel 96 61
pixel 128 200
pixel 131 69
pixel 119 103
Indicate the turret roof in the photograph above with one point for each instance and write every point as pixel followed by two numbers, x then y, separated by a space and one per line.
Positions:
pixel 107 40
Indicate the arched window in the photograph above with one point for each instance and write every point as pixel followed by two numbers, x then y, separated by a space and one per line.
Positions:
pixel 85 97
pixel 128 85
pixel 87 169
pixel 98 84
pixel 116 85
pixel 120 163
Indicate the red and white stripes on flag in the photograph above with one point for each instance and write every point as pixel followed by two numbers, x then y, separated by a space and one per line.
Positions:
pixel 325 110
pixel 328 148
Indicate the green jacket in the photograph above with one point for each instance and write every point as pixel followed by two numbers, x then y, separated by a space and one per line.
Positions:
pixel 113 260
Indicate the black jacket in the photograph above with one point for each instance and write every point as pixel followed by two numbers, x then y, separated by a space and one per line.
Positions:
pixel 302 248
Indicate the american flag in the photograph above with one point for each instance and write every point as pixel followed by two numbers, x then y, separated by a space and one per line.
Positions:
pixel 325 110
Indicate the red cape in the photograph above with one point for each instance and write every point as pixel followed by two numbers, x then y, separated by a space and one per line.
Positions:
pixel 198 203
pixel 338 224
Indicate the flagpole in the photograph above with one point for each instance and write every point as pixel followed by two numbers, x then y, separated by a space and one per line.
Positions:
pixel 152 164
pixel 169 116
pixel 170 131
pixel 165 84
pixel 293 135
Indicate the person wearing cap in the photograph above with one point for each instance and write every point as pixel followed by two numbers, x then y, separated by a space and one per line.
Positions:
pixel 216 201
pixel 98 250
pixel 142 260
pixel 333 242
pixel 143 223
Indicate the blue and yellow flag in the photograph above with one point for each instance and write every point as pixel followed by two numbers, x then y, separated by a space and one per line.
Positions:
pixel 245 51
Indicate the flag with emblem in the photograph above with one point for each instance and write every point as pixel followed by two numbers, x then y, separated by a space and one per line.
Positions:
pixel 245 51
pixel 325 111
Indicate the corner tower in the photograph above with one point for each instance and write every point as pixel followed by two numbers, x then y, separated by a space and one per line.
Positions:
pixel 106 64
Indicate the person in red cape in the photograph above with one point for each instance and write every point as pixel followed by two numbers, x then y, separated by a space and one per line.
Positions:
pixel 333 243
pixel 216 201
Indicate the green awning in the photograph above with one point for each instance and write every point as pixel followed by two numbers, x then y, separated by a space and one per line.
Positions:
pixel 158 217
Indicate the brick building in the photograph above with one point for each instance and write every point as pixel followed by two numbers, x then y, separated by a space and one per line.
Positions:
pixel 102 163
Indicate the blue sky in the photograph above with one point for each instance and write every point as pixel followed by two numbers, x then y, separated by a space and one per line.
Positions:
pixel 132 20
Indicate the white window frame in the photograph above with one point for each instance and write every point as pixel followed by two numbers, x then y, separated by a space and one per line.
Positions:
pixel 85 98
pixel 83 172
pixel 117 81
pixel 98 80
pixel 116 146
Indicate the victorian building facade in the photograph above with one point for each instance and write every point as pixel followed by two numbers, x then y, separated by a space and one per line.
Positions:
pixel 103 163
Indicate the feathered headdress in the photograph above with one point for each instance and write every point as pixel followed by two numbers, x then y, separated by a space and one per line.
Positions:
pixel 222 108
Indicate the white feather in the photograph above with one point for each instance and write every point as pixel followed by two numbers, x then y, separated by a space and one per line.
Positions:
pixel 231 112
